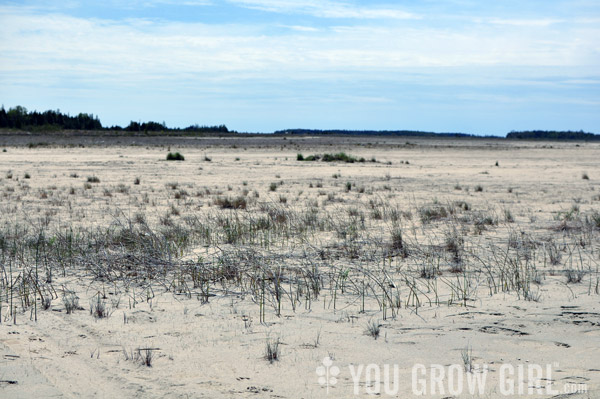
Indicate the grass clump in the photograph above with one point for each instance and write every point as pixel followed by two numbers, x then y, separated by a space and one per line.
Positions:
pixel 93 179
pixel 175 156
pixel 272 353
pixel 398 245
pixel 99 309
pixel 231 203
pixel 143 356
pixel 574 276
pixel 594 219
pixel 428 214
pixel 373 329
pixel 467 359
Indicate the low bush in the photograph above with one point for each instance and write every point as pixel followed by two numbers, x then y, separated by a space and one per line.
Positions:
pixel 175 156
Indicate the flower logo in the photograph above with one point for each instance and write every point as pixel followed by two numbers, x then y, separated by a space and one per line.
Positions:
pixel 327 373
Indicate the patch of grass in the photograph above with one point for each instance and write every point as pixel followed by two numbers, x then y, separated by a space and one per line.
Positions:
pixel 143 356
pixel 454 244
pixel 463 205
pixel 467 359
pixel 272 352
pixel 93 179
pixel 574 276
pixel 594 219
pixel 428 214
pixel 175 156
pixel 428 272
pixel 231 203
pixel 146 356
pixel 398 245
pixel 46 302
pixel 373 329
pixel 273 187
pixel 98 308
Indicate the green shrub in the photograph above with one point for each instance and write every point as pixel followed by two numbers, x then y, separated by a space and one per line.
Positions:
pixel 340 156
pixel 175 156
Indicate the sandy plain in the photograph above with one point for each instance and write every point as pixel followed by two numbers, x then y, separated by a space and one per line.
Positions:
pixel 441 252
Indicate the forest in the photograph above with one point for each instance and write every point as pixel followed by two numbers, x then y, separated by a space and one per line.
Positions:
pixel 21 119
pixel 48 121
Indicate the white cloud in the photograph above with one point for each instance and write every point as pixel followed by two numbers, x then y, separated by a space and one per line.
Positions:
pixel 525 22
pixel 326 9
pixel 51 47
pixel 300 28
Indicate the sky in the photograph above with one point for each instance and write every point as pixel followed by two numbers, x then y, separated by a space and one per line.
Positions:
pixel 480 67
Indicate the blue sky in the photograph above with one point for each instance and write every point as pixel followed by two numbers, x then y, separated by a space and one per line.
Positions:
pixel 483 67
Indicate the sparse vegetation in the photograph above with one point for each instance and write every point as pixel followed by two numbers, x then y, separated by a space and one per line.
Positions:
pixel 335 157
pixel 366 255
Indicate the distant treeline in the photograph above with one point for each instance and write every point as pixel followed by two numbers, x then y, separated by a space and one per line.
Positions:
pixel 552 135
pixel 408 133
pixel 19 118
